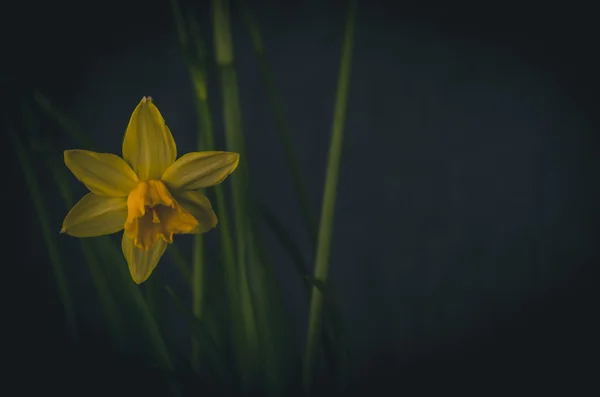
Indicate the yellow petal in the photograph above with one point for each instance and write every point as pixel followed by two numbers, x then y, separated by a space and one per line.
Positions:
pixel 96 216
pixel 148 145
pixel 200 169
pixel 104 174
pixel 199 206
pixel 141 262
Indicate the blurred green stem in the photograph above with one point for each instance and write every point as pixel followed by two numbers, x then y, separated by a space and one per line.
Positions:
pixel 65 122
pixel 194 51
pixel 149 295
pixel 283 127
pixel 49 237
pixel 197 295
pixel 329 197
pixel 180 261
pixel 233 134
pixel 204 126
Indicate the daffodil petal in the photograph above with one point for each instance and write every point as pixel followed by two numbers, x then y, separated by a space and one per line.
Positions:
pixel 199 206
pixel 96 216
pixel 104 174
pixel 200 169
pixel 141 262
pixel 148 145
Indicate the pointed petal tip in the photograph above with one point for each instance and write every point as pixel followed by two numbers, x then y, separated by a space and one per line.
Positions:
pixel 62 230
pixel 140 279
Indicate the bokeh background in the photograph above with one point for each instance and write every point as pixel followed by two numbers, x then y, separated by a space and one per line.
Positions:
pixel 465 230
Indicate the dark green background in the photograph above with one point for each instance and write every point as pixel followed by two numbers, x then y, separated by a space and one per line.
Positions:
pixel 465 229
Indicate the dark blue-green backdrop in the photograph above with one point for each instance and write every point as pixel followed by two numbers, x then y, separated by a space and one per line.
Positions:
pixel 465 228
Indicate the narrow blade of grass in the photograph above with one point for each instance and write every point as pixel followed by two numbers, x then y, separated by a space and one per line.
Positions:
pixel 195 54
pixel 194 50
pixel 274 338
pixel 287 242
pixel 249 363
pixel 180 261
pixel 335 335
pixel 207 339
pixel 198 73
pixel 335 339
pixel 48 235
pixel 111 311
pixel 282 126
pixel 132 299
pixel 65 122
pixel 149 289
pixel 329 197
pixel 197 295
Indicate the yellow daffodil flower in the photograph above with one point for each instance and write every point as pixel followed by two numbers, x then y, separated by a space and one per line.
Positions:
pixel 147 192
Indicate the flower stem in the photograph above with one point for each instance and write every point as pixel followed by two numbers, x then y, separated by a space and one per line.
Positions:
pixel 197 295
pixel 49 236
pixel 329 197
pixel 283 127
pixel 247 342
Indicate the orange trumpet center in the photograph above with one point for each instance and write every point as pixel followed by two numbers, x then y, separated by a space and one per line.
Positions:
pixel 152 213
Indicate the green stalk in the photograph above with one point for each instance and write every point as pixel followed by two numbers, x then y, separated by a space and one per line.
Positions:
pixel 102 286
pixel 287 242
pixel 195 54
pixel 121 280
pixel 204 126
pixel 234 137
pixel 180 261
pixel 197 66
pixel 210 344
pixel 208 140
pixel 275 343
pixel 283 127
pixel 271 220
pixel 49 237
pixel 231 115
pixel 149 289
pixel 329 197
pixel 65 122
pixel 197 295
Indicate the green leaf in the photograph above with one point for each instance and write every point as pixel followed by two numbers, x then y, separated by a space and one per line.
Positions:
pixel 283 127
pixel 329 198
pixel 247 336
pixel 208 342
pixel 47 232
